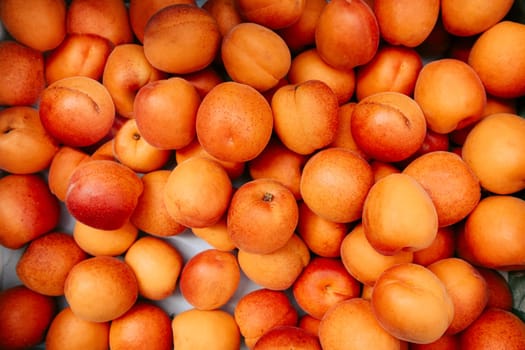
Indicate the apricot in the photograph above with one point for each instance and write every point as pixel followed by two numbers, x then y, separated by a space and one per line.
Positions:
pixel 78 54
pixel 416 292
pixel 108 19
pixel 335 183
pixel 363 262
pixel 165 112
pixel 205 329
pixel 494 328
pixel 481 16
pixel 77 111
pixel 197 192
pixel 388 126
pixel 466 287
pixel 67 331
pixel 305 115
pixel 225 12
pixel 260 310
pixel 399 215
pixel 491 55
pixel 271 13
pixel 337 19
pixel 382 169
pixel 126 71
pixel 343 135
pixel 216 235
pixel 450 93
pixel 352 324
pixel 495 217
pixel 276 270
pixel 393 68
pixel 97 242
pixel 21 74
pixel 22 130
pixel 209 279
pixel 40 24
pixel 101 288
pixel 145 325
pixel 443 246
pixel 262 216
pixel 449 181
pixel 405 23
pixel 46 262
pixel 493 150
pixel 286 337
pixel 103 194
pixel 445 342
pixel 25 316
pixel 234 122
pixel 308 65
pixel 29 209
pixel 309 324
pixel 254 55
pixel 150 214
pixel 157 265
pixel 205 79
pixel 170 36
pixel 500 293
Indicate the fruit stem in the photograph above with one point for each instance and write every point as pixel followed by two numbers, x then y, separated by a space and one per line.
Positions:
pixel 268 197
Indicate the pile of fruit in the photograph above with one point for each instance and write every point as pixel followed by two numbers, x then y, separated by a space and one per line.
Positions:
pixel 230 174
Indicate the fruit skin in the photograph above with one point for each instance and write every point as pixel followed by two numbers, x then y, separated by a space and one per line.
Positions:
pixel 287 337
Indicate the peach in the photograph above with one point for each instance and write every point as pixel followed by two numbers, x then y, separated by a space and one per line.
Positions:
pixel 78 54
pixel 495 328
pixel 305 115
pixel 493 150
pixel 145 325
pixel 262 216
pixel 225 12
pixel 323 283
pixel 399 215
pixel 500 293
pixel 466 287
pixel 165 112
pixel 67 331
pixel 131 149
pixel 157 265
pixel 101 288
pixel 404 22
pixel 150 214
pixel 416 292
pixel 443 246
pixel 280 163
pixel 363 262
pixel 197 192
pixel 272 14
pixel 234 122
pixel 481 16
pixel 491 55
pixel 45 263
pixel 450 182
pixel 25 316
pixel 308 65
pixel 301 34
pixel 108 19
pixel 277 270
pixel 29 209
pixel 21 129
pixel 286 337
pixel 352 324
pixel 216 235
pixel 103 194
pixel 495 217
pixel 260 310
pixel 335 183
pixel 254 55
pixel 39 24
pixel 97 242
pixel 126 71
pixel 393 68
pixel 77 111
pixel 209 279
pixel 323 237
pixel 205 329
pixel 450 93
pixel 21 74
pixel 388 126
pixel 170 36
pixel 338 19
